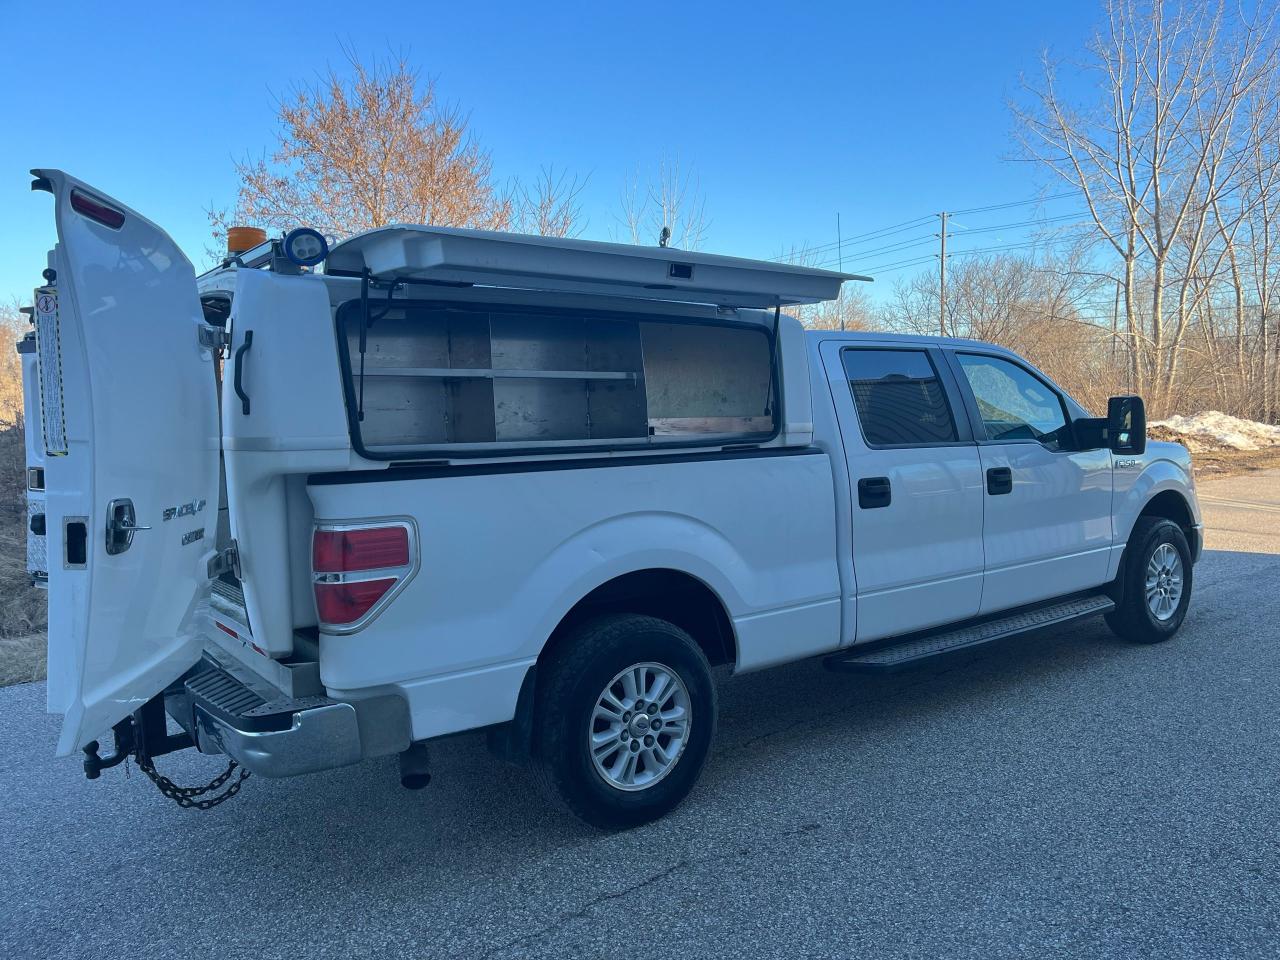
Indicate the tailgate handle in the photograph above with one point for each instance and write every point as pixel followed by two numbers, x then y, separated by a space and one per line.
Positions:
pixel 121 525
pixel 239 379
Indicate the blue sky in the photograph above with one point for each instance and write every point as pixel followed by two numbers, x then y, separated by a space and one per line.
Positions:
pixel 789 113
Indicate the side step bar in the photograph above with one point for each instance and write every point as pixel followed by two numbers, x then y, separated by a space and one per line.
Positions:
pixel 899 653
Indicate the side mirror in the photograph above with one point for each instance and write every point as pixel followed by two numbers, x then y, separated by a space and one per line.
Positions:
pixel 1127 425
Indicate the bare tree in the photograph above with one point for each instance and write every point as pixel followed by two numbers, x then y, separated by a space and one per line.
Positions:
pixel 551 206
pixel 1030 304
pixel 670 197
pixel 366 151
pixel 851 310
pixel 13 326
pixel 1182 88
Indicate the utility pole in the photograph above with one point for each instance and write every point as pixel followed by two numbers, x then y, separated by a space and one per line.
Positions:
pixel 942 277
pixel 840 257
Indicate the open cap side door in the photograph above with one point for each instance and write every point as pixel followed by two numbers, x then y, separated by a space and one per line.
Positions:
pixel 131 433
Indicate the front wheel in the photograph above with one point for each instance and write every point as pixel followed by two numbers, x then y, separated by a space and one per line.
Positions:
pixel 624 716
pixel 1156 588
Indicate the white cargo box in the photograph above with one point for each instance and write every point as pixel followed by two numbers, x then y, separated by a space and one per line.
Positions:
pixel 447 255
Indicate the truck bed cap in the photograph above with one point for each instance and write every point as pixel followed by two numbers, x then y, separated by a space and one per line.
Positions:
pixel 452 255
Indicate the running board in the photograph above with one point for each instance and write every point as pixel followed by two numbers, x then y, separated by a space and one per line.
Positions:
pixel 909 651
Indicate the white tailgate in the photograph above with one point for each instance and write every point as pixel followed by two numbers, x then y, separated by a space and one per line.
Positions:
pixel 139 408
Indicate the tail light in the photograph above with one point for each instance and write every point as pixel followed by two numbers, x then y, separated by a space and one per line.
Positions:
pixel 358 568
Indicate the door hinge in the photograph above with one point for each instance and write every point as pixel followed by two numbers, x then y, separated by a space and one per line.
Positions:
pixel 226 560
pixel 214 338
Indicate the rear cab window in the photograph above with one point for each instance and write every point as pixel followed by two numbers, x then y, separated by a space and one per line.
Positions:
pixel 899 397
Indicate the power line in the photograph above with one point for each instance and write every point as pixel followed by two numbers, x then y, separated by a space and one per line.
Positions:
pixel 896 228
pixel 1012 203
pixel 929 238
pixel 1019 223
pixel 863 237
pixel 914 261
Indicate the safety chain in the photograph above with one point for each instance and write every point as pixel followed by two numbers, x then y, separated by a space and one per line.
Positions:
pixel 186 796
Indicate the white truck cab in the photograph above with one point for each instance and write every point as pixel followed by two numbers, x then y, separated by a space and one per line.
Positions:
pixel 463 480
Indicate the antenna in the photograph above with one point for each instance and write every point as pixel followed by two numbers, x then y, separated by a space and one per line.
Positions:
pixel 840 256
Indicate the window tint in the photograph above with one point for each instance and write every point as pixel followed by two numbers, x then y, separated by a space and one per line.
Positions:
pixel 1014 404
pixel 899 397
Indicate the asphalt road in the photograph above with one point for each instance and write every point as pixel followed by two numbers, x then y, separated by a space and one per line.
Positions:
pixel 1067 796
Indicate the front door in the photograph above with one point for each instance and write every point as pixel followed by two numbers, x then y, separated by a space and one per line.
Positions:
pixel 129 433
pixel 1047 530
pixel 915 484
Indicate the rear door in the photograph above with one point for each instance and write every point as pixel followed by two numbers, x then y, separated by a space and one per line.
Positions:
pixel 129 429
pixel 915 487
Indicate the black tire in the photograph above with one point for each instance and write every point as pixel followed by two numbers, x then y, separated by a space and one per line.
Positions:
pixel 1133 619
pixel 571 682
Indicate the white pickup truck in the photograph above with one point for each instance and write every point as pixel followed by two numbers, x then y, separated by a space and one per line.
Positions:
pixel 457 480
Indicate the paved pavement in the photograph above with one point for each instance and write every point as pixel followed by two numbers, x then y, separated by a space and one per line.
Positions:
pixel 1070 796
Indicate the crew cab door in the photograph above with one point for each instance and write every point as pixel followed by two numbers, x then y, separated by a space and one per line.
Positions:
pixel 1047 529
pixel 915 486
pixel 129 426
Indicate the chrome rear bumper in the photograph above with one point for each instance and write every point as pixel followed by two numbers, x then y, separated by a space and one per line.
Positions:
pixel 318 738
pixel 227 710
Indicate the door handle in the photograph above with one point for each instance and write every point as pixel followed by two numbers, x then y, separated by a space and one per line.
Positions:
pixel 238 382
pixel 121 525
pixel 874 492
pixel 999 481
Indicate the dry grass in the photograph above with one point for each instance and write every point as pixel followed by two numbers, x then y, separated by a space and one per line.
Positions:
pixel 22 607
pixel 22 659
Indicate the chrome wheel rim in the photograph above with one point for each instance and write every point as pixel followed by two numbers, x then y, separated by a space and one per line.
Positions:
pixel 640 726
pixel 1164 582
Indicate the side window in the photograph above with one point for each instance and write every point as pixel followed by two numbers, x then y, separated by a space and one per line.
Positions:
pixel 1014 404
pixel 899 397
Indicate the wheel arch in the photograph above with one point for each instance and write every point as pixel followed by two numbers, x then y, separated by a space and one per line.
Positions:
pixel 676 596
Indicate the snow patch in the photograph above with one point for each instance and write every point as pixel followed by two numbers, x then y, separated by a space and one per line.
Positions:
pixel 1212 430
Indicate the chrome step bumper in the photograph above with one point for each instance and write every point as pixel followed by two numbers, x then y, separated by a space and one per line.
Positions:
pixel 273 735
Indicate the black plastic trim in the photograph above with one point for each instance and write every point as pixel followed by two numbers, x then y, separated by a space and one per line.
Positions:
pixel 442 471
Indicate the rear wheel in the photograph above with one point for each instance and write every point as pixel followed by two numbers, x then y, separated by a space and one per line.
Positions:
pixel 624 717
pixel 1156 583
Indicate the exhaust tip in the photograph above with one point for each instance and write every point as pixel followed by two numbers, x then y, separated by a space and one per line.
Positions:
pixel 415 767
pixel 414 781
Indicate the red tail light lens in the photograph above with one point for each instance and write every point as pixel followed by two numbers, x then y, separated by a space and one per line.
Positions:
pixel 356 568
pixel 340 603
pixel 93 208
pixel 374 548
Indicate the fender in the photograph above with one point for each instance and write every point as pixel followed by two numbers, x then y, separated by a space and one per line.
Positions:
pixel 630 543
pixel 1138 480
